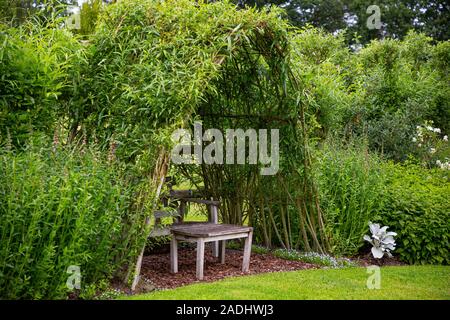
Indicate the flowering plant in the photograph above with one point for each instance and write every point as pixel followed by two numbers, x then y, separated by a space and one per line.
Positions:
pixel 430 145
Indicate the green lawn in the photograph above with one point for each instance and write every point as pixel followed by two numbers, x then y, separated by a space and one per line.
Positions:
pixel 406 282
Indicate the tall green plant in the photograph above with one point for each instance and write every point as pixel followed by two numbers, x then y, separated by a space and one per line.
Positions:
pixel 351 185
pixel 61 207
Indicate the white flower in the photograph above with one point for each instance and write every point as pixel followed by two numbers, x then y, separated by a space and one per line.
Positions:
pixel 432 150
pixel 419 144
pixel 414 139
pixel 445 138
pixel 443 165
pixel 430 128
pixel 437 130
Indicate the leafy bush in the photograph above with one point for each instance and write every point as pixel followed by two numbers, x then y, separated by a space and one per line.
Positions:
pixel 418 210
pixel 351 184
pixel 37 63
pixel 398 85
pixel 319 58
pixel 61 208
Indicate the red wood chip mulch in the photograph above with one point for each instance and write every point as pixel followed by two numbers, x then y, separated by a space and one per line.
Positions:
pixel 156 267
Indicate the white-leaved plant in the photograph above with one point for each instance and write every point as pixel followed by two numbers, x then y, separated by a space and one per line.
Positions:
pixel 382 241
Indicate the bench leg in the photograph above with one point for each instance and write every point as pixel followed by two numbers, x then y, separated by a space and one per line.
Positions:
pixel 200 258
pixel 247 252
pixel 214 218
pixel 215 249
pixel 222 246
pixel 173 255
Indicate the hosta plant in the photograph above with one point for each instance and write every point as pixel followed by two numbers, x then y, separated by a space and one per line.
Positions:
pixel 381 240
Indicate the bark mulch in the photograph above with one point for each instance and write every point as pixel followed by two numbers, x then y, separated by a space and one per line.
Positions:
pixel 367 260
pixel 156 267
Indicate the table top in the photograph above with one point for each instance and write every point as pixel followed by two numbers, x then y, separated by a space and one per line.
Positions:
pixel 207 229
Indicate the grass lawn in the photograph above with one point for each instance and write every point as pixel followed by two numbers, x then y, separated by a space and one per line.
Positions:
pixel 405 282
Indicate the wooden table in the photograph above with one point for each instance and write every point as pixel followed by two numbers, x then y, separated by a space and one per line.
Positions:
pixel 208 232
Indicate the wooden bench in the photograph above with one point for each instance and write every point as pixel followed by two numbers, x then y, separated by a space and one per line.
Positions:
pixel 208 232
pixel 174 205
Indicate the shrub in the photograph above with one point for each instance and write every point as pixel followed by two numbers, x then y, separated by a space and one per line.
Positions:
pixel 319 57
pixel 63 208
pixel 399 85
pixel 418 209
pixel 431 145
pixel 37 63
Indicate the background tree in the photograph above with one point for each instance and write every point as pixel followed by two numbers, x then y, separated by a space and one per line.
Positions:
pixel 397 16
pixel 15 12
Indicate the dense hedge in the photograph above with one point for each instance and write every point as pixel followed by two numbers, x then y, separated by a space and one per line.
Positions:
pixel 417 207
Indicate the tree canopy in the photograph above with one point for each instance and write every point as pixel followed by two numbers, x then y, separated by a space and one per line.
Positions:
pixel 397 16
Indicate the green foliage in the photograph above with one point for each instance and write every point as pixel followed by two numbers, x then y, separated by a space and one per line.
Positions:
pixel 152 65
pixel 431 146
pixel 398 88
pixel 153 243
pixel 440 62
pixel 350 182
pixel 397 16
pixel 89 13
pixel 318 58
pixel 64 207
pixel 36 66
pixel 260 249
pixel 418 209
pixel 17 12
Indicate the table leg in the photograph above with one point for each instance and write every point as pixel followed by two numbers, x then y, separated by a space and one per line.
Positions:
pixel 200 258
pixel 222 246
pixel 174 255
pixel 247 252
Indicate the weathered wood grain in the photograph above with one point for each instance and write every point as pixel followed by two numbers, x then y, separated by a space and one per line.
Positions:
pixel 200 258
pixel 202 229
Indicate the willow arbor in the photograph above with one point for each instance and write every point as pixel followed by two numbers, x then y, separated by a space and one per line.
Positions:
pixel 156 66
